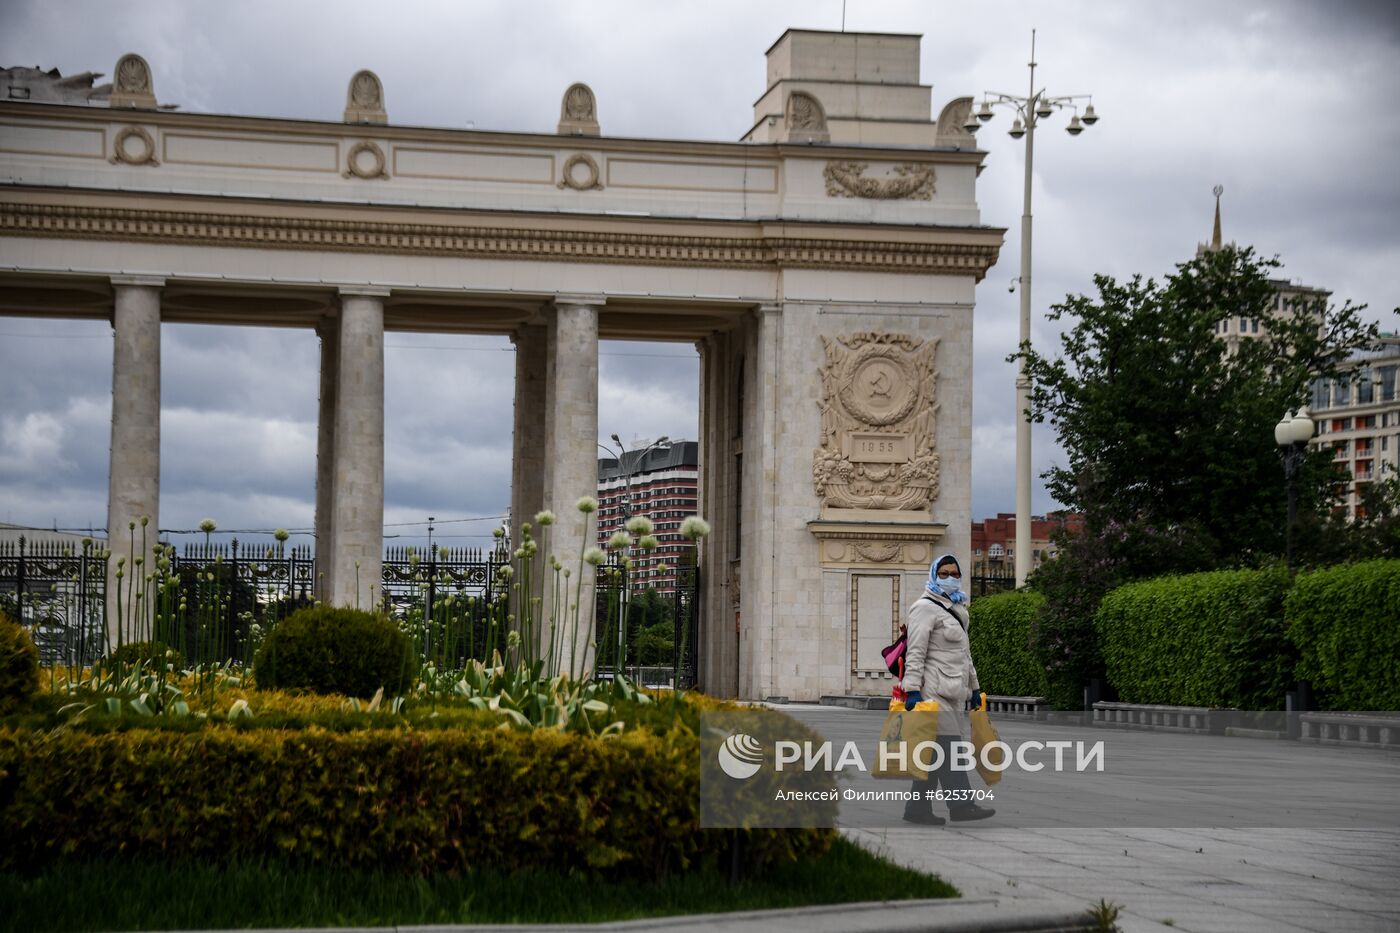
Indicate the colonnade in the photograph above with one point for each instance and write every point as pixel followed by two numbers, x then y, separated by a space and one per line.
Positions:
pixel 554 448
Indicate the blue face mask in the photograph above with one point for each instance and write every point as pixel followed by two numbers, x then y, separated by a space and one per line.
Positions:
pixel 948 585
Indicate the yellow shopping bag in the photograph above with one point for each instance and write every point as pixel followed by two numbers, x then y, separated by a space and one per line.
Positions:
pixel 906 729
pixel 983 734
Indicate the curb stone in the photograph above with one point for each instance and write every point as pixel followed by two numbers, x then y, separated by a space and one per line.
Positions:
pixel 944 915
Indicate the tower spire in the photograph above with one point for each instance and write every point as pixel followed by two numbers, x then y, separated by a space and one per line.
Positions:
pixel 1218 190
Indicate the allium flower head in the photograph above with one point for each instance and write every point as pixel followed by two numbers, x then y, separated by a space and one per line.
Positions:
pixel 586 504
pixel 640 525
pixel 648 543
pixel 619 540
pixel 498 533
pixel 695 527
pixel 207 525
pixel 281 534
pixel 544 518
pixel 594 556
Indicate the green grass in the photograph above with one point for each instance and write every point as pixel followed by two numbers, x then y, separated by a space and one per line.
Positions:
pixel 113 895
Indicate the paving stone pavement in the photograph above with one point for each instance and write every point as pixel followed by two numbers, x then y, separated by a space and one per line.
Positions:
pixel 1202 880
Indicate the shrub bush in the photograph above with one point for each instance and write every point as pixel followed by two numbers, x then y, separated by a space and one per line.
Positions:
pixel 1343 621
pixel 401 800
pixel 1000 635
pixel 1090 564
pixel 1205 639
pixel 334 650
pixel 146 651
pixel 19 665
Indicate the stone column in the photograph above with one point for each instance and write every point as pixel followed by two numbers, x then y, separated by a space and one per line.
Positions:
pixel 358 475
pixel 718 658
pixel 527 466
pixel 133 490
pixel 571 465
pixel 759 567
pixel 329 332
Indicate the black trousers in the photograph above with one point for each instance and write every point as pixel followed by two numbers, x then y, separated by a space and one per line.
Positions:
pixel 944 776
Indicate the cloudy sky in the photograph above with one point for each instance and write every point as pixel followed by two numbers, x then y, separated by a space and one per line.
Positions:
pixel 1286 104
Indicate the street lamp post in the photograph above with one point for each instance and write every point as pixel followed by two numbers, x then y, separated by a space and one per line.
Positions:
pixel 1292 434
pixel 1030 110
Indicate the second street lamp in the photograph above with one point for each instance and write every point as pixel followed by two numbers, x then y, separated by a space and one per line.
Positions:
pixel 1030 110
pixel 1292 434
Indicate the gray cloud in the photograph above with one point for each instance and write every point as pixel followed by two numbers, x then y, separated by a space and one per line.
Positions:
pixel 1282 102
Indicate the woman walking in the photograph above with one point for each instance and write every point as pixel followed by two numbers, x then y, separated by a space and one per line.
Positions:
pixel 939 667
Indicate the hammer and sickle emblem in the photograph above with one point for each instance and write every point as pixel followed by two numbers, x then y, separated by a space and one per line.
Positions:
pixel 880 383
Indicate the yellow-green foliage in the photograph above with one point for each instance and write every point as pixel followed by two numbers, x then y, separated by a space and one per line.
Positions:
pixel 417 801
pixel 19 665
pixel 1345 622
pixel 1203 639
pixel 1000 636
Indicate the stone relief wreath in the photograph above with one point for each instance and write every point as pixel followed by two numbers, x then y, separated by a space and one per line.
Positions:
pixel 910 181
pixel 878 405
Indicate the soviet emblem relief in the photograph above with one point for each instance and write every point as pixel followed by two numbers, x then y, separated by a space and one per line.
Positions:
pixel 878 406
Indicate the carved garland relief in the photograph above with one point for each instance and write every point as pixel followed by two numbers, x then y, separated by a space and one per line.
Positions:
pixel 878 405
pixel 846 179
pixel 133 145
pixel 580 172
pixel 365 160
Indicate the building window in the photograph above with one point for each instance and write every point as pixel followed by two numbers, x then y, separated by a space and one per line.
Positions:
pixel 1385 377
pixel 1320 396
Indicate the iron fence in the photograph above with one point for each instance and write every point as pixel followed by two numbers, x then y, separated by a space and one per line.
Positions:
pixel 210 595
pixel 58 594
pixel 992 580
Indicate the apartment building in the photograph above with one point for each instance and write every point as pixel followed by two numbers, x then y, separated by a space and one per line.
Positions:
pixel 662 483
pixel 1358 417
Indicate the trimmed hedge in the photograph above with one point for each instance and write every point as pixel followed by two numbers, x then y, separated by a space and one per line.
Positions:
pixel 1205 639
pixel 336 650
pixel 1345 622
pixel 399 800
pixel 19 665
pixel 1000 636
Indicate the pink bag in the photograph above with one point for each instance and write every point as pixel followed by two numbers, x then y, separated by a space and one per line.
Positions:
pixel 894 654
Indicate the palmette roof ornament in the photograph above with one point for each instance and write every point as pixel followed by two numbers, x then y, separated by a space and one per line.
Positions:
pixel 578 112
pixel 806 119
pixel 364 99
pixel 132 84
pixel 878 407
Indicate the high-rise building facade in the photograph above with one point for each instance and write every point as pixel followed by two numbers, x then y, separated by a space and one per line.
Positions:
pixel 1358 416
pixel 661 483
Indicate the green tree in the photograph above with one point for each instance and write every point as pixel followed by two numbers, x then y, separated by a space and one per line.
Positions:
pixel 1168 438
pixel 1159 424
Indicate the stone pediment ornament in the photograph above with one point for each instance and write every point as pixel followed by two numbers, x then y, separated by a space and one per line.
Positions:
pixel 878 406
pixel 806 119
pixel 364 99
pixel 847 179
pixel 951 120
pixel 578 112
pixel 132 85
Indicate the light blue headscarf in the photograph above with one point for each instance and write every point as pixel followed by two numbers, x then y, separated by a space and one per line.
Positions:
pixel 957 596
